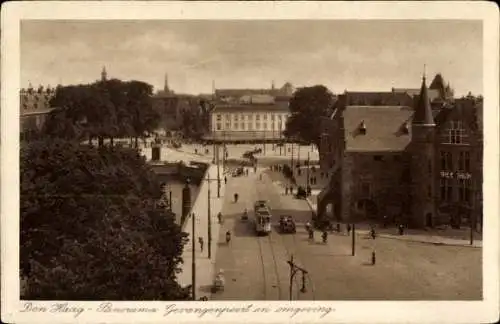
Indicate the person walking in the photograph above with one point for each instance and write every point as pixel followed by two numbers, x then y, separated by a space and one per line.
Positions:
pixel 219 217
pixel 348 229
pixel 372 233
pixel 200 241
pixel 228 237
pixel 225 180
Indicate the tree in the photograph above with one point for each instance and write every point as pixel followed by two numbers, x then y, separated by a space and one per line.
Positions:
pixel 104 109
pixel 90 228
pixel 307 106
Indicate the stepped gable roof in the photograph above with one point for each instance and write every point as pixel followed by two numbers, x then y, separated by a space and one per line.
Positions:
pixel 243 108
pixel 423 111
pixel 35 101
pixel 384 125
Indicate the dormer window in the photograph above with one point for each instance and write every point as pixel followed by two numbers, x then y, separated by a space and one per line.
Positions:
pixel 405 129
pixel 362 128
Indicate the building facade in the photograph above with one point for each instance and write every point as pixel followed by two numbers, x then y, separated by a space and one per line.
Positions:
pixel 250 115
pixel 411 164
pixel 34 109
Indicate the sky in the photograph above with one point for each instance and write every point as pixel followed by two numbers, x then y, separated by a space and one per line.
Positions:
pixel 343 55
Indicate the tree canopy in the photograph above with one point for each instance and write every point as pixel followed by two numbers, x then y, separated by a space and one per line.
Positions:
pixel 307 106
pixel 104 109
pixel 91 228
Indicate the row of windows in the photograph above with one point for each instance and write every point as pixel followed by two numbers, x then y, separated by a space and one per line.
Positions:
pixel 250 126
pixel 462 165
pixel 455 133
pixel 237 117
pixel 464 189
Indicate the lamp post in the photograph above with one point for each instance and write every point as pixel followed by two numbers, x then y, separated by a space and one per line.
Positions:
pixel 353 239
pixel 209 224
pixel 193 263
pixel 307 170
pixel 293 271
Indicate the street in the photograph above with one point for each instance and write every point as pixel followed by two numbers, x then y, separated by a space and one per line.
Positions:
pixel 256 268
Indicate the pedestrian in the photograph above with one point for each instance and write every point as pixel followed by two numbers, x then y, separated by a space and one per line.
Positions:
pixel 401 229
pixel 338 227
pixel 225 180
pixel 373 258
pixel 219 217
pixel 372 233
pixel 228 237
pixel 200 240
pixel 286 190
pixel 348 229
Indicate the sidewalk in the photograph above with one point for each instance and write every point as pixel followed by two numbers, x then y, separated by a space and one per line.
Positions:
pixel 204 266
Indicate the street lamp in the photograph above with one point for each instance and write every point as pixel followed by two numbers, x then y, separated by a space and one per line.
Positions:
pixel 293 271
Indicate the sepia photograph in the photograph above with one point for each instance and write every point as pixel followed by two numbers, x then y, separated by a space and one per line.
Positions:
pixel 250 160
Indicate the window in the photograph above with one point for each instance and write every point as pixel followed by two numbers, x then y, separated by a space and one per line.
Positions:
pixel 272 126
pixel 249 126
pixel 257 117
pixel 265 116
pixel 219 126
pixel 235 125
pixel 446 189
pixel 464 190
pixel 242 117
pixel 242 126
pixel 365 189
pixel 272 117
pixel 219 117
pixel 264 126
pixel 279 118
pixel 235 118
pixel 446 161
pixel 464 161
pixel 250 117
pixel 227 117
pixel 228 125
pixel 455 134
pixel 257 125
pixel 378 158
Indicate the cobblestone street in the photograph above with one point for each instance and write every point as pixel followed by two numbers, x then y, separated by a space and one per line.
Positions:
pixel 256 267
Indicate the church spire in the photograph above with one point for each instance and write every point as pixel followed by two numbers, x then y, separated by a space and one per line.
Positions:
pixel 104 74
pixel 423 111
pixel 166 89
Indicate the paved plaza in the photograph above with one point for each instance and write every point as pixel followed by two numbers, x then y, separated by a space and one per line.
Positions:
pixel 256 268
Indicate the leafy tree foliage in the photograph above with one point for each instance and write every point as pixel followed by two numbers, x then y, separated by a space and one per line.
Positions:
pixel 307 106
pixel 90 226
pixel 195 120
pixel 104 109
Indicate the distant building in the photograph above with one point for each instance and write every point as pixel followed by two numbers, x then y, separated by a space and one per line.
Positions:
pixel 250 115
pixel 34 109
pixel 170 107
pixel 408 164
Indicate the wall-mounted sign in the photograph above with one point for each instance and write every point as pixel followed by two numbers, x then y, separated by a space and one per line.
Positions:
pixel 463 175
pixel 447 174
pixel 457 175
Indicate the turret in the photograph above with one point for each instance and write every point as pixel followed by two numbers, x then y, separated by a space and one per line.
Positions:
pixel 423 161
pixel 104 74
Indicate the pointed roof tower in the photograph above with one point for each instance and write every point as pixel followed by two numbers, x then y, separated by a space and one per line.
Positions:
pixel 104 74
pixel 166 89
pixel 423 112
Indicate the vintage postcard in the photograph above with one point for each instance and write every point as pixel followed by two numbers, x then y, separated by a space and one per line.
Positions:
pixel 261 162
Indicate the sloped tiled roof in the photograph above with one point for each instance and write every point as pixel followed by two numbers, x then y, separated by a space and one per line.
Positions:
pixel 378 98
pixel 384 128
pixel 432 93
pixel 423 111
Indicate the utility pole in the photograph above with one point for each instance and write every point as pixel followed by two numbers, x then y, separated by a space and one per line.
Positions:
pixel 193 264
pixel 293 271
pixel 471 230
pixel 209 224
pixel 353 239
pixel 291 143
pixel 218 171
pixel 170 199
pixel 307 170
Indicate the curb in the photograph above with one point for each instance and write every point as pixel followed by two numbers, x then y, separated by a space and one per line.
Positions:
pixel 407 238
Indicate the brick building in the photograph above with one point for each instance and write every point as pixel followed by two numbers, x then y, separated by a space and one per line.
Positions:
pixel 417 164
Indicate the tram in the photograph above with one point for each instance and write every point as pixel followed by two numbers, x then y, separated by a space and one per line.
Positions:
pixel 262 221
